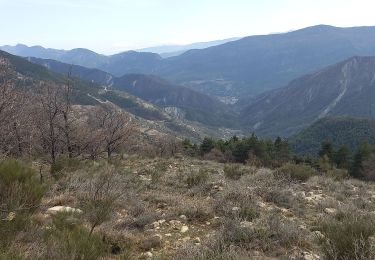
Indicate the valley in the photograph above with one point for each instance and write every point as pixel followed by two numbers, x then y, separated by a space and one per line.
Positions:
pixel 254 147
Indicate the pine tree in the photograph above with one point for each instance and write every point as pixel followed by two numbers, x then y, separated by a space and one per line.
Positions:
pixel 363 153
pixel 207 145
pixel 342 157
pixel 327 149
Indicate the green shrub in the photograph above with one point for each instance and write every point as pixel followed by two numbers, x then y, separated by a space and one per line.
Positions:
pixel 11 255
pixel 265 235
pixel 20 194
pixel 233 171
pixel 248 212
pixel 68 239
pixel 338 174
pixel 197 178
pixel 10 228
pixel 198 212
pixel 298 172
pixel 347 236
pixel 213 250
pixel 64 163
pixel 20 189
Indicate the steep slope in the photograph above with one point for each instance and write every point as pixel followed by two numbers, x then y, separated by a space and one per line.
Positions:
pixel 84 92
pixel 343 89
pixel 131 62
pixel 341 131
pixel 257 63
pixel 181 102
pixel 91 75
pixel 184 102
pixel 151 119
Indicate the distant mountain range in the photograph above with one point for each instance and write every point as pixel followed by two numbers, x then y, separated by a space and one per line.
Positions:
pixel 167 51
pixel 343 89
pixel 240 68
pixel 337 84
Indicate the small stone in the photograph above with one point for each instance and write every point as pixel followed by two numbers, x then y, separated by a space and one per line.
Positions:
pixel 158 236
pixel 10 216
pixel 175 224
pixel 208 223
pixel 197 240
pixel 330 211
pixel 162 221
pixel 148 254
pixel 168 235
pixel 246 224
pixel 183 217
pixel 185 239
pixel 184 229
pixel 156 224
pixel 318 234
pixel 235 209
pixel 308 256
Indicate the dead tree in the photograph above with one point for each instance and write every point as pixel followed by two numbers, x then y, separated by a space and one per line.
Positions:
pixel 66 111
pixel 48 117
pixel 116 128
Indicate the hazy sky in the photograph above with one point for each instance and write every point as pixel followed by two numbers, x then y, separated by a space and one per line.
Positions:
pixel 110 26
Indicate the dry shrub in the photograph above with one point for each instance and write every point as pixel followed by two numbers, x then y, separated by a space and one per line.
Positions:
pixel 298 172
pixel 233 171
pixel 195 178
pixel 239 198
pixel 368 168
pixel 215 155
pixel 267 235
pixel 212 250
pixel 348 236
pixel 196 210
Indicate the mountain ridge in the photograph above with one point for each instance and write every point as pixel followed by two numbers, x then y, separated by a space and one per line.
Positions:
pixel 343 89
pixel 249 66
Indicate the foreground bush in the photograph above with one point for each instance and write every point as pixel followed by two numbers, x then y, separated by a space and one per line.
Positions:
pixel 68 239
pixel 20 195
pixel 298 172
pixel 20 189
pixel 197 178
pixel 338 174
pixel 233 171
pixel 348 236
pixel 64 163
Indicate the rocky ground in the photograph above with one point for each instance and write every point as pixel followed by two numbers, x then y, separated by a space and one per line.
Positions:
pixel 183 208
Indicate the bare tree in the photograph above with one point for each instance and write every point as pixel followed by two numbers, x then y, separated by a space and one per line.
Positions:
pixel 13 110
pixel 48 116
pixel 116 128
pixel 168 145
pixel 98 195
pixel 65 109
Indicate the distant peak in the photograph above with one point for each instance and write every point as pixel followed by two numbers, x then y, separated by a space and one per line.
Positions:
pixel 317 28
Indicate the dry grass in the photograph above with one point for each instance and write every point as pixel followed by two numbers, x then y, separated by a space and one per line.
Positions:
pixel 190 209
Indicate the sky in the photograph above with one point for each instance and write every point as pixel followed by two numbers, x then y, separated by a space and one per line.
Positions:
pixel 111 26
